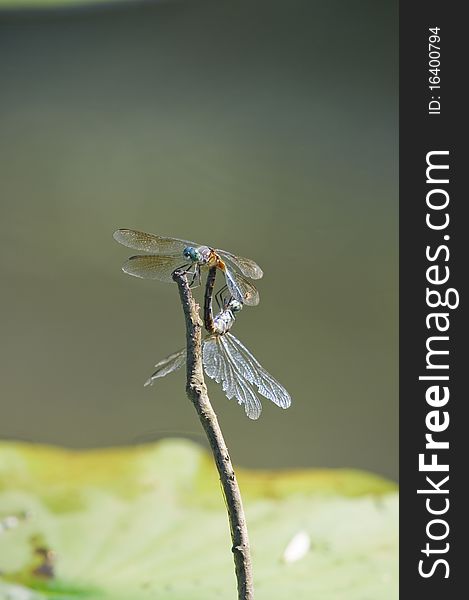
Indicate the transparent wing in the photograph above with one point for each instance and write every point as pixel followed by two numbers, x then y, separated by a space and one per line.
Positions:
pixel 149 266
pixel 147 242
pixel 219 367
pixel 171 363
pixel 240 288
pixel 247 266
pixel 254 372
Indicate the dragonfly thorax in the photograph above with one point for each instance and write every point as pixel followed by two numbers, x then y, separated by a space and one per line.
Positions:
pixel 203 255
pixel 223 321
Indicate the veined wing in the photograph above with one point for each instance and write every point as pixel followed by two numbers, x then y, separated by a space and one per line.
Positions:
pixel 247 266
pixel 254 372
pixel 149 266
pixel 148 242
pixel 219 367
pixel 171 363
pixel 240 288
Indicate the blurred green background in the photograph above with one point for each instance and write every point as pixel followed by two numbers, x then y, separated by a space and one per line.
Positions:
pixel 263 127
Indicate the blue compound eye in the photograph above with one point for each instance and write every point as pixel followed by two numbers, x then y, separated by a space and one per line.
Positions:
pixel 192 254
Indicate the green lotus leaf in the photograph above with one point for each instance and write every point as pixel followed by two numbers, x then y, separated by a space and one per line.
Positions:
pixel 150 523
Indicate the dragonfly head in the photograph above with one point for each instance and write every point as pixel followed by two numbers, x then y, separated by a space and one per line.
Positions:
pixel 234 305
pixel 192 254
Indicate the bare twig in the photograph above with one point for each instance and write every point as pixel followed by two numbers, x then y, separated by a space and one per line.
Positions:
pixel 197 393
pixel 209 286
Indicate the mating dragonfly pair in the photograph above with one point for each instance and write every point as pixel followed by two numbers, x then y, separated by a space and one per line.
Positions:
pixel 225 358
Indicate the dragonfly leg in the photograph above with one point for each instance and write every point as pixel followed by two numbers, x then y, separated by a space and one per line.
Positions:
pixel 219 296
pixel 187 269
pixel 184 268
pixel 195 277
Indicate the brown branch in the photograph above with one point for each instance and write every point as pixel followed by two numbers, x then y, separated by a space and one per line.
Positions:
pixel 197 394
pixel 209 286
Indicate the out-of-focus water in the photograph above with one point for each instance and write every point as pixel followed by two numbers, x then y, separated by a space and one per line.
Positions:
pixel 265 128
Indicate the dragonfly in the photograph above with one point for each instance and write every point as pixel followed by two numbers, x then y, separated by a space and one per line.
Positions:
pixel 166 254
pixel 228 362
